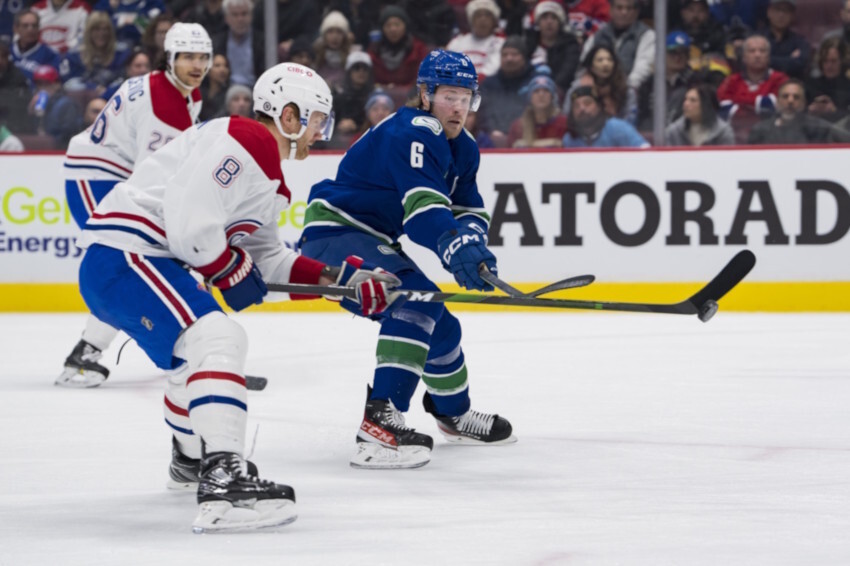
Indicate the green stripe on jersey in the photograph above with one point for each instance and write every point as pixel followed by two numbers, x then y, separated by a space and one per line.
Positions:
pixel 460 211
pixel 398 351
pixel 448 384
pixel 420 198
pixel 319 212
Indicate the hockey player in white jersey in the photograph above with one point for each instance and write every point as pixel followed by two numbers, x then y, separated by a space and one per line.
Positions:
pixel 144 114
pixel 210 200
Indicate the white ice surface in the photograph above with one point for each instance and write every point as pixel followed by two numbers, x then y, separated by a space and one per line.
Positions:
pixel 643 439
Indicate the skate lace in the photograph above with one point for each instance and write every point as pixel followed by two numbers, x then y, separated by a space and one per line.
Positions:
pixel 475 423
pixel 394 417
pixel 91 354
pixel 239 469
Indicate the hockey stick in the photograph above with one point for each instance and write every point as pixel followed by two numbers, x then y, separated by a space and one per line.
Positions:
pixel 703 303
pixel 569 283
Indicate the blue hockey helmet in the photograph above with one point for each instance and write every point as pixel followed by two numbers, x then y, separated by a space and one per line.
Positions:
pixel 449 68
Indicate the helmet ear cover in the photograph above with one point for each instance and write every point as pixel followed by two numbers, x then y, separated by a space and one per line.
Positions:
pixel 449 68
pixel 290 83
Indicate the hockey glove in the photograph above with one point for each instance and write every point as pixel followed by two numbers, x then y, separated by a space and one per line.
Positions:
pixel 462 251
pixel 240 283
pixel 372 284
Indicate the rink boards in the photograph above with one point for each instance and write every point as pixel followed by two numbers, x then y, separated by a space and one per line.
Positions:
pixel 651 225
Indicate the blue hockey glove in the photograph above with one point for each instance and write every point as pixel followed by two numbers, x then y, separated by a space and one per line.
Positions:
pixel 240 283
pixel 462 251
pixel 373 286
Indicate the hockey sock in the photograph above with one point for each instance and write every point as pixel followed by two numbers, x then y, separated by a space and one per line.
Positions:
pixel 98 333
pixel 445 371
pixel 401 353
pixel 176 409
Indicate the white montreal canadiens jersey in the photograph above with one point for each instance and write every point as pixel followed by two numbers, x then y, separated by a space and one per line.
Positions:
pixel 144 114
pixel 218 184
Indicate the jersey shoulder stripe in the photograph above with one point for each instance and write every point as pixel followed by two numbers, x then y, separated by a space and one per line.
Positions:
pixel 168 104
pixel 261 145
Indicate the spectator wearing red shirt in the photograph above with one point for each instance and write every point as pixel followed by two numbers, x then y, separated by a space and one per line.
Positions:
pixel 751 94
pixel 397 54
pixel 542 123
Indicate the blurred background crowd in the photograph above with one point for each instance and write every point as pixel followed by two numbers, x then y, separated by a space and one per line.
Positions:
pixel 553 73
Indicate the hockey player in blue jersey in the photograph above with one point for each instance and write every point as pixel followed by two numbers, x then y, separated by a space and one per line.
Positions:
pixel 414 173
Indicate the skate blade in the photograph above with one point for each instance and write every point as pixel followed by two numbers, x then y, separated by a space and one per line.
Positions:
pixel 188 486
pixel 370 456
pixel 222 517
pixel 466 441
pixel 79 379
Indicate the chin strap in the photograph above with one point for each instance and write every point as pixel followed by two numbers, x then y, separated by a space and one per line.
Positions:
pixel 293 138
pixel 173 78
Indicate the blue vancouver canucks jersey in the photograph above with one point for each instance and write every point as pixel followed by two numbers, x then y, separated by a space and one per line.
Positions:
pixel 402 177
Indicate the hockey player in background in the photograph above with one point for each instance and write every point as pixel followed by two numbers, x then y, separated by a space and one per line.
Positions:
pixel 210 200
pixel 423 186
pixel 144 114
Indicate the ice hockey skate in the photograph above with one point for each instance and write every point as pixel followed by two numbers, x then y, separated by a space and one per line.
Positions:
pixel 384 442
pixel 183 470
pixel 233 500
pixel 472 427
pixel 81 367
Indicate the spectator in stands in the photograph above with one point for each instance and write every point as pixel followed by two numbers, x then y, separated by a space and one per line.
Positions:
pixel 9 142
pixel 589 126
pixel 98 65
pixel 62 23
pixel 15 95
pixel 295 18
pixel 397 54
pixel 749 13
pixel 501 102
pixel 332 49
pixel 844 31
pixel 435 22
pixel 632 41
pixel 57 115
pixel 550 44
pixel 153 40
pixel 241 44
pixel 789 51
pixel 136 64
pixel 482 138
pixel 542 123
pixel 587 16
pixel 210 14
pixel 130 18
pixel 751 93
pixel 362 16
pixel 699 123
pixel 707 35
pixel 214 88
pixel 8 12
pixel 378 106
pixel 601 70
pixel 93 110
pixel 350 100
pixel 239 101
pixel 27 51
pixel 792 125
pixel 482 44
pixel 679 77
pixel 829 92
pixel 300 51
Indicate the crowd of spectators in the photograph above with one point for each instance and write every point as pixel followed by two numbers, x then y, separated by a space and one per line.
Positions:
pixel 553 73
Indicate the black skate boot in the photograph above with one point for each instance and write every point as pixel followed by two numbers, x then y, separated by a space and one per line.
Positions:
pixel 385 442
pixel 471 427
pixel 231 499
pixel 81 367
pixel 183 470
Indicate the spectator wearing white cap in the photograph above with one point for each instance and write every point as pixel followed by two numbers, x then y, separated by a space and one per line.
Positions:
pixel 350 100
pixel 553 44
pixel 483 44
pixel 332 48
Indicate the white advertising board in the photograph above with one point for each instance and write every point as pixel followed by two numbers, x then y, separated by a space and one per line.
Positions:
pixel 626 216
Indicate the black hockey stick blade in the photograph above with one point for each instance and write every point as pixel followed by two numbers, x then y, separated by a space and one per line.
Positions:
pixel 568 283
pixel 254 383
pixel 702 303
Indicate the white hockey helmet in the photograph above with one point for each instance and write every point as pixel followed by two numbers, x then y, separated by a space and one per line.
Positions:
pixel 186 38
pixel 291 83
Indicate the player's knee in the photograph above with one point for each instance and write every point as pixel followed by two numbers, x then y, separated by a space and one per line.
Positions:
pixel 446 336
pixel 215 340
